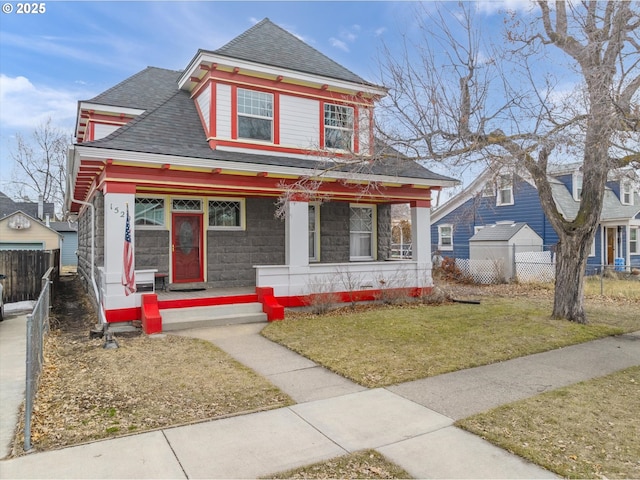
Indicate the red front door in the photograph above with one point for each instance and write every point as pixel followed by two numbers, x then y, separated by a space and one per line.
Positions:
pixel 186 247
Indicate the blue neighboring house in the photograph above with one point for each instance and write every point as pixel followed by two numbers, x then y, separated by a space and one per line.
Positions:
pixel 496 197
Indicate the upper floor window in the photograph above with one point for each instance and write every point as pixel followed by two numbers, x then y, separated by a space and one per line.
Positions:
pixel 577 187
pixel 338 127
pixel 505 190
pixel 255 115
pixel 445 237
pixel 626 192
pixel 149 212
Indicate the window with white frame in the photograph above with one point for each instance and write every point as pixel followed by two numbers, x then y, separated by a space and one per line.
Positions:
pixel 314 232
pixel 149 212
pixel 445 237
pixel 592 252
pixel 626 192
pixel 577 186
pixel 361 224
pixel 255 115
pixel 505 190
pixel 634 247
pixel 338 127
pixel 226 214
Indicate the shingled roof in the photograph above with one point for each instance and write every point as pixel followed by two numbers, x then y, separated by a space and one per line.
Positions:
pixel 171 125
pixel 268 44
pixel 145 90
pixel 498 232
pixel 8 206
pixel 174 128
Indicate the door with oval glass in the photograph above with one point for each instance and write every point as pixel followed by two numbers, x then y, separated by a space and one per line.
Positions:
pixel 186 247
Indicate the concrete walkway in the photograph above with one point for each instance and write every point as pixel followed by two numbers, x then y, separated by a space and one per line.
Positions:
pixel 411 424
pixel 13 366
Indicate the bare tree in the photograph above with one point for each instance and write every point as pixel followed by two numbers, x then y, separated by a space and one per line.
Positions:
pixel 457 99
pixel 40 164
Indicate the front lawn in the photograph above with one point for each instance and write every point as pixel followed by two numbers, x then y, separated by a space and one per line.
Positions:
pixel 382 346
pixel 587 430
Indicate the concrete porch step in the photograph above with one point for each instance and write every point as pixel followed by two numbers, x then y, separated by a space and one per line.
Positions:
pixel 211 316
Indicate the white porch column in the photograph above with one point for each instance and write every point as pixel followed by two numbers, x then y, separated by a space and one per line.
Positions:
pixel 115 208
pixel 297 233
pixel 421 232
pixel 421 241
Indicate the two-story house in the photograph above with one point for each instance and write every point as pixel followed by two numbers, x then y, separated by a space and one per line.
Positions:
pixel 201 160
pixel 499 197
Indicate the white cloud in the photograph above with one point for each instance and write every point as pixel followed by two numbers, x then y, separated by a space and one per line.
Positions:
pixel 25 105
pixel 338 44
pixel 379 31
pixel 491 7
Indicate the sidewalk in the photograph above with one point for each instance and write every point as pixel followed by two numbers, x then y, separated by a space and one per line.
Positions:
pixel 411 424
pixel 13 365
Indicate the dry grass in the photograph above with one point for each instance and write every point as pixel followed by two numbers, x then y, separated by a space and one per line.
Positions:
pixel 87 392
pixel 613 289
pixel 587 430
pixel 363 464
pixel 387 345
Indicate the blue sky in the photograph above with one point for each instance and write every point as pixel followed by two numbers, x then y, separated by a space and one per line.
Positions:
pixel 75 50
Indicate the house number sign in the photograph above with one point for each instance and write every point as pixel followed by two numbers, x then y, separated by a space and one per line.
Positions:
pixel 117 210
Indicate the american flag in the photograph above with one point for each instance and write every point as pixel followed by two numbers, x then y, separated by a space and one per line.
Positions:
pixel 128 273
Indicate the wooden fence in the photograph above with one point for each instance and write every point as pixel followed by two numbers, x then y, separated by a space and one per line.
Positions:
pixel 24 269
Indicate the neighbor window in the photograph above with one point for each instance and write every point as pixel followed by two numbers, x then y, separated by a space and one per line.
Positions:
pixel 338 127
pixel 634 248
pixel 255 115
pixel 225 214
pixel 489 190
pixel 577 187
pixel 361 232
pixel 149 212
pixel 626 193
pixel 314 231
pixel 445 237
pixel 505 190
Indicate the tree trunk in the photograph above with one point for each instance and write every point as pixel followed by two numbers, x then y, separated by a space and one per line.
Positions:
pixel 571 259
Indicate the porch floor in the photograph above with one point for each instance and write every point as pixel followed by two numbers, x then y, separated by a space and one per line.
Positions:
pixel 206 293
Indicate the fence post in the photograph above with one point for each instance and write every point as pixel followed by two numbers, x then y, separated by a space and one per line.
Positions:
pixel 29 393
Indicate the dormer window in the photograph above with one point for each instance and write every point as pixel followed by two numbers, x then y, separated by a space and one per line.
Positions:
pixel 338 127
pixel 255 115
pixel 505 190
pixel 626 192
pixel 577 186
